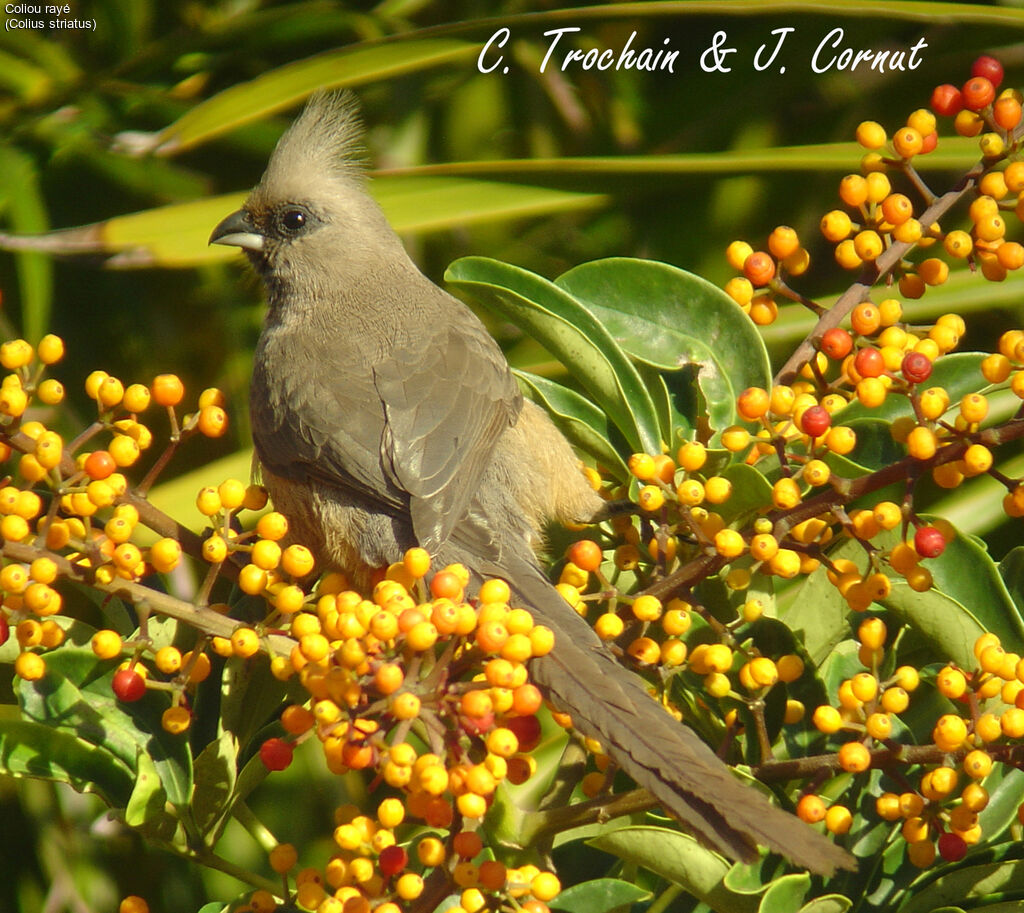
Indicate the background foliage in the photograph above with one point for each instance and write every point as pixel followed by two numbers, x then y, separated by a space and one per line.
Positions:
pixel 167 104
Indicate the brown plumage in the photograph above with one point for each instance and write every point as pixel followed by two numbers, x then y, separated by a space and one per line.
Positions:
pixel 385 416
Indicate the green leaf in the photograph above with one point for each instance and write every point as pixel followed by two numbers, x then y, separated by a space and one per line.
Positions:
pixel 215 771
pixel 90 711
pixel 1011 569
pixel 22 204
pixel 146 805
pixel 815 611
pixel 286 86
pixel 30 749
pixel 572 334
pixel 830 903
pixel 422 203
pixel 680 859
pixel 668 318
pixel 176 236
pixel 785 894
pixel 966 573
pixel 1005 787
pixel 249 696
pixel 602 895
pixel 750 491
pixel 966 884
pixel 585 425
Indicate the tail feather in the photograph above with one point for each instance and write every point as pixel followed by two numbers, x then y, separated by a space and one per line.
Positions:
pixel 610 704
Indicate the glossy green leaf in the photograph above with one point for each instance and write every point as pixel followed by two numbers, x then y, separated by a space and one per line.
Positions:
pixel 417 204
pixel 74 695
pixel 965 884
pixel 585 425
pixel 966 573
pixel 572 334
pixel 785 894
pixel 1011 570
pixel 830 903
pixel 680 859
pixel 249 696
pixel 815 611
pixel 602 895
pixel 1005 787
pixel 669 318
pixel 30 749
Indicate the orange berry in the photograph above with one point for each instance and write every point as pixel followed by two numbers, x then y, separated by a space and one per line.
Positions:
pixel 168 390
pixel 759 268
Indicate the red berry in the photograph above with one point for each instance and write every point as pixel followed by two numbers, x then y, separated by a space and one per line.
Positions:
pixel 929 142
pixel 392 860
pixel 128 685
pixel 988 67
pixel 477 725
pixel 276 754
pixel 759 268
pixel 952 847
pixel 836 343
pixel 526 729
pixel 929 542
pixel 947 100
pixel 815 421
pixel 869 362
pixel 978 92
pixel 99 465
pixel 5 630
pixel 585 554
pixel 916 367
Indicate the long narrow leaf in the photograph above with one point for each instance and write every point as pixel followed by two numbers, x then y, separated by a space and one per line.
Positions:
pixel 286 86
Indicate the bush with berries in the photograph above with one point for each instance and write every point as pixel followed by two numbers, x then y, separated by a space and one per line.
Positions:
pixel 782 583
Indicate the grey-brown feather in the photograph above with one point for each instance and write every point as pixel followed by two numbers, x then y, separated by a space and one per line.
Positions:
pixel 385 416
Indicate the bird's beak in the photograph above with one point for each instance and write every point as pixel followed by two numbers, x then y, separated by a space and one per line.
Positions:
pixel 237 230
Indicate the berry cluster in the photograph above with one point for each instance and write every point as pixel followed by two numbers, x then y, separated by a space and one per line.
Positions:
pixel 413 666
pixel 885 224
pixel 682 590
pixel 424 691
pixel 938 805
pixel 67 508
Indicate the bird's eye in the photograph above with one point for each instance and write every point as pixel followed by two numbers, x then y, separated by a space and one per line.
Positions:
pixel 293 220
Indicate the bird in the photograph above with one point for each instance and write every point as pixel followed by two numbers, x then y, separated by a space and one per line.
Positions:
pixel 385 416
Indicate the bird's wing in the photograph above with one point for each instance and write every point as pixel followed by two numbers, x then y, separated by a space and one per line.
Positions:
pixel 447 398
pixel 308 426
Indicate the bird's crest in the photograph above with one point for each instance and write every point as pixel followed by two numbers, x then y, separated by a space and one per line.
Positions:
pixel 326 140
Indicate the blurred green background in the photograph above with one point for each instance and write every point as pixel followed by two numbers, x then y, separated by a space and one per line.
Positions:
pixel 166 102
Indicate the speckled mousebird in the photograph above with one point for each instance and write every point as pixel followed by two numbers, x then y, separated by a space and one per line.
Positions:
pixel 385 416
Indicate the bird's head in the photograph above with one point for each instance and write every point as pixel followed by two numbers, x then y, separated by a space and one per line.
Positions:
pixel 310 221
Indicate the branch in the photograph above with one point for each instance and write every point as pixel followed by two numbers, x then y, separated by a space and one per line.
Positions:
pixel 883 266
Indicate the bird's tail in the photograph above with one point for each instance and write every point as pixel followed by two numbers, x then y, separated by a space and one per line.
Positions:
pixel 610 704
